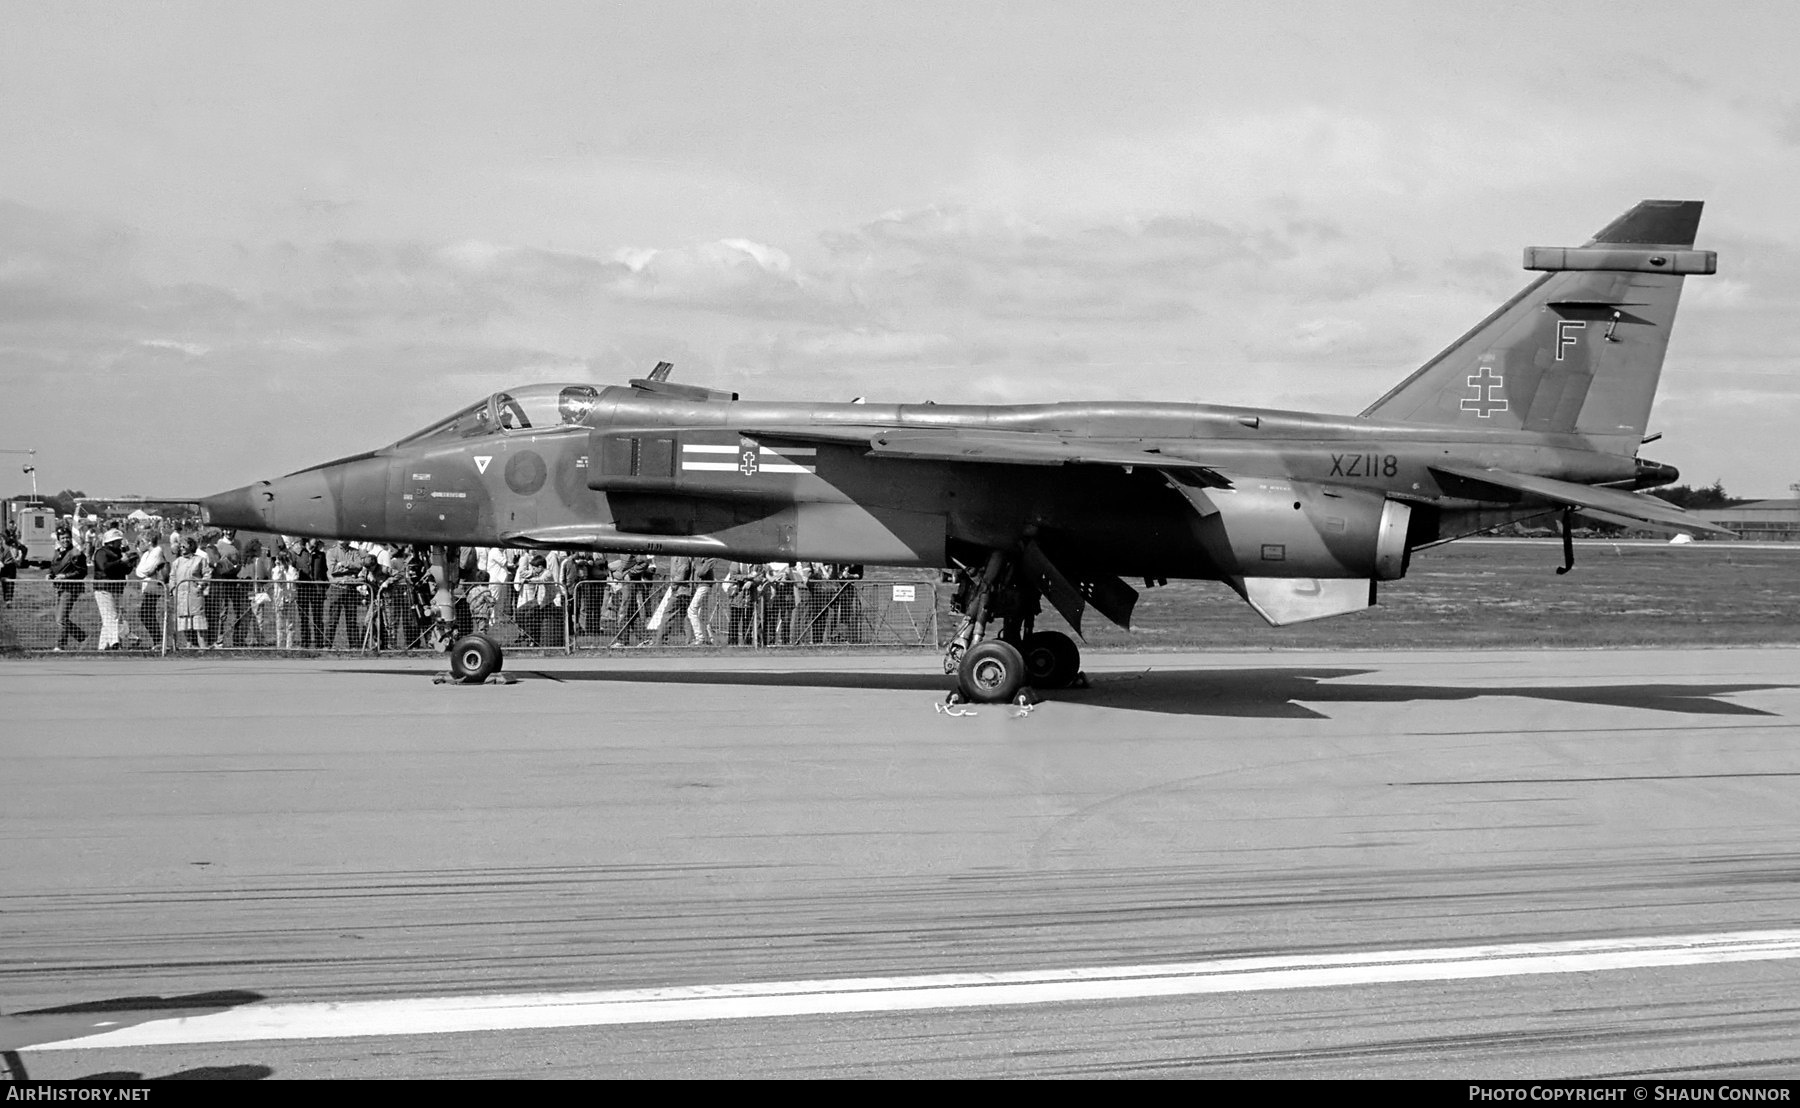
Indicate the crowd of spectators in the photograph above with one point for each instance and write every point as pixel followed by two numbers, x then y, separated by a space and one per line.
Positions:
pixel 765 603
pixel 206 590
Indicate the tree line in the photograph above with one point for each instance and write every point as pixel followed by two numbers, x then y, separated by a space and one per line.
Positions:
pixel 1699 498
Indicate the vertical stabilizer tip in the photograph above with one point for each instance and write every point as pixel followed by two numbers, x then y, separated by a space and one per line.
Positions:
pixel 1656 223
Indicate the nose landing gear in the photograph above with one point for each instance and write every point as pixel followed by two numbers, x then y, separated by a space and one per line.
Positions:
pixel 475 660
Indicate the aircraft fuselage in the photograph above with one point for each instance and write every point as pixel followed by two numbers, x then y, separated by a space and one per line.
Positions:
pixel 671 475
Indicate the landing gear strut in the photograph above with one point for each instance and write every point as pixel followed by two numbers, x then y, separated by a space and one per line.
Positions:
pixel 999 668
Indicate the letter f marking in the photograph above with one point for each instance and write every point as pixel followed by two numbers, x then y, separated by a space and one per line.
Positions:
pixel 1566 336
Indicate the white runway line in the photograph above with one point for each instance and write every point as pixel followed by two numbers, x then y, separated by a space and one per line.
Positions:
pixel 441 1015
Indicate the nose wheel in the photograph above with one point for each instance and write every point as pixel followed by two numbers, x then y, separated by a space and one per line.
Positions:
pixel 475 658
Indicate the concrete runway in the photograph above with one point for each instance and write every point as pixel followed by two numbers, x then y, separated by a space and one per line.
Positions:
pixel 228 836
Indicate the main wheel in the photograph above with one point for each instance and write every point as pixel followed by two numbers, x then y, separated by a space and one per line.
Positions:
pixel 992 672
pixel 474 658
pixel 1051 659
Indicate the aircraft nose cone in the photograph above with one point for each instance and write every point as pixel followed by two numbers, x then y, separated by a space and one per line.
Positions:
pixel 237 509
pixel 346 499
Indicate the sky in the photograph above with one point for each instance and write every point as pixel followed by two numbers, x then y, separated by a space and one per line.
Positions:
pixel 239 238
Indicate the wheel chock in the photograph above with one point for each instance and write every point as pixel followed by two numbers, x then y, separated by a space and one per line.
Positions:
pixel 492 679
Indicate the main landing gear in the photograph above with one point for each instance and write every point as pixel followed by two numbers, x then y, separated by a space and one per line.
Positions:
pixel 1001 668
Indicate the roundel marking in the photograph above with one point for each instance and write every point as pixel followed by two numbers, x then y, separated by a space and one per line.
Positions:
pixel 525 472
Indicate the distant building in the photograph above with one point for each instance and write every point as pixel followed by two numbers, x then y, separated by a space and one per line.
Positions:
pixel 1764 520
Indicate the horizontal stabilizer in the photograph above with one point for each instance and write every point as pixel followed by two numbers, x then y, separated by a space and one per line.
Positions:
pixel 1285 600
pixel 1597 516
pixel 1630 508
pixel 1594 259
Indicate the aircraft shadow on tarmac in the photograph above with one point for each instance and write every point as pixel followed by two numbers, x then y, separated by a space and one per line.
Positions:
pixel 1274 692
pixel 22 1030
pixel 1277 693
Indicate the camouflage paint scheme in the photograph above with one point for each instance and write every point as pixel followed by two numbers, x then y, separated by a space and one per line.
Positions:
pixel 1539 409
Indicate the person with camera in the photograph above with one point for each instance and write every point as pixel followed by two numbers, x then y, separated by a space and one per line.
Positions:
pixel 636 574
pixel 111 567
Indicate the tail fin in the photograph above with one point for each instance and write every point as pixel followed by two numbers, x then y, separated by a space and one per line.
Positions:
pixel 1580 350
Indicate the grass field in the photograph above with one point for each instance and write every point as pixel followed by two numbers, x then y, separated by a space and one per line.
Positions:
pixel 1507 594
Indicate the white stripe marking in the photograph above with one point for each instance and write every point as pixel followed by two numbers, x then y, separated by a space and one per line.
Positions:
pixel 703 448
pixel 792 451
pixel 441 1015
pixel 733 467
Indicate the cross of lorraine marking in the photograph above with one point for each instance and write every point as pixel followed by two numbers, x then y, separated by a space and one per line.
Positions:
pixel 747 464
pixel 1486 384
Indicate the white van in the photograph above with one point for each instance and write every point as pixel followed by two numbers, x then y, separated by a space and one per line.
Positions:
pixel 36 524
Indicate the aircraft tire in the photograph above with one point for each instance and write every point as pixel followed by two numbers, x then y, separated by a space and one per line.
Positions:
pixel 992 672
pixel 1051 659
pixel 473 659
pixel 499 654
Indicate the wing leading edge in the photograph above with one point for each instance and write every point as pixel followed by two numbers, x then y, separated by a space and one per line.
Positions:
pixel 1035 448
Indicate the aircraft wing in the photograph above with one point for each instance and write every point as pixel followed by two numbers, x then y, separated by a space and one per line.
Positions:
pixel 1610 505
pixel 1037 448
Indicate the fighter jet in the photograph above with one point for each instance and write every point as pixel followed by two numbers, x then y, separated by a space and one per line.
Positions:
pixel 1539 410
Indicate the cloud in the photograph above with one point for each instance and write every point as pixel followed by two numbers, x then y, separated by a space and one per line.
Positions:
pixel 872 346
pixel 1285 306
pixel 190 349
pixel 1788 127
pixel 734 276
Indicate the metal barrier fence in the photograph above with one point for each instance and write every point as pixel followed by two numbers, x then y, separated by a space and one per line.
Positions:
pixel 754 614
pixel 247 614
pixel 70 615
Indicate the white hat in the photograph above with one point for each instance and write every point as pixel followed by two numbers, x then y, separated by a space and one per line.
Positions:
pixel 114 535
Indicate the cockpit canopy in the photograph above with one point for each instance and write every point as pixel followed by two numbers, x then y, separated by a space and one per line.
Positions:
pixel 532 408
